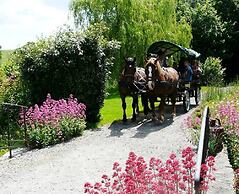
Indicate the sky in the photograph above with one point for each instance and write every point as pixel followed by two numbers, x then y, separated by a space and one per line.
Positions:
pixel 22 21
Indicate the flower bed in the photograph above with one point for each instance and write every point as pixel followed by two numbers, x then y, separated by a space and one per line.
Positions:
pixel 54 121
pixel 174 176
pixel 225 109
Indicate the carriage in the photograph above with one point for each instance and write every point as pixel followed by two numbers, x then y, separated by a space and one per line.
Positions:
pixel 185 89
pixel 155 81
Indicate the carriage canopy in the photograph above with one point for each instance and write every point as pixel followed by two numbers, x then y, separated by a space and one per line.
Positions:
pixel 167 48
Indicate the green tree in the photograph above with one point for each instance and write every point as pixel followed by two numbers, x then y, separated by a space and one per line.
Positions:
pixel 229 12
pixel 136 24
pixel 208 29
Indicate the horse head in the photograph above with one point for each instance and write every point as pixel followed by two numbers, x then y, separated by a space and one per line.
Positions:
pixel 151 72
pixel 129 69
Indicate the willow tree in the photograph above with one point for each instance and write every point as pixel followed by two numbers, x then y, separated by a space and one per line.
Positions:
pixel 135 23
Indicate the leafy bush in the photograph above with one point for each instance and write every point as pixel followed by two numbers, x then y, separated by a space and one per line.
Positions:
pixel 173 176
pixel 67 62
pixel 54 121
pixel 11 91
pixel 212 72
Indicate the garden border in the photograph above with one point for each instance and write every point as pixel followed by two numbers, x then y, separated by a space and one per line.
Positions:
pixel 202 148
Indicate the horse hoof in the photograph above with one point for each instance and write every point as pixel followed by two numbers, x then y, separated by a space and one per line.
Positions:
pixel 154 119
pixel 124 120
pixel 161 119
pixel 173 115
pixel 147 117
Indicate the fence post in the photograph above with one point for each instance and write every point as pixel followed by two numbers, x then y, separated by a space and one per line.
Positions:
pixel 202 148
pixel 9 132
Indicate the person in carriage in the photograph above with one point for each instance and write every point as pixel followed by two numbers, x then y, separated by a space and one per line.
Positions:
pixel 196 70
pixel 185 70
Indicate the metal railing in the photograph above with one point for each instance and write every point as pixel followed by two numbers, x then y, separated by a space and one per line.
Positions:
pixel 9 133
pixel 202 148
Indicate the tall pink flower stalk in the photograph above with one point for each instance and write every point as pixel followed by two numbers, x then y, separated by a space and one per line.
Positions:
pixel 51 111
pixel 229 115
pixel 172 177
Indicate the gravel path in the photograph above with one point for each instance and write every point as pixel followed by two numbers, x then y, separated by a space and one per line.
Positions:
pixel 64 168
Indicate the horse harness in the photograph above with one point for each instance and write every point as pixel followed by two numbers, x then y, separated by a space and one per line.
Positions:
pixel 138 85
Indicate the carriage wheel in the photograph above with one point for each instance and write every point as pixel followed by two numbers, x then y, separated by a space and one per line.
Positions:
pixel 197 95
pixel 167 101
pixel 186 101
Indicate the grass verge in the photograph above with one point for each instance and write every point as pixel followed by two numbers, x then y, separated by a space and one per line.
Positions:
pixel 112 110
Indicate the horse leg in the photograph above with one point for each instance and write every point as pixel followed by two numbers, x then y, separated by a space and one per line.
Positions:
pixel 173 100
pixel 124 108
pixel 134 107
pixel 144 101
pixel 152 106
pixel 161 109
pixel 137 104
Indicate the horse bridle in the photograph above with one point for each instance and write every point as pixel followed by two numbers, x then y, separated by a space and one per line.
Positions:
pixel 150 76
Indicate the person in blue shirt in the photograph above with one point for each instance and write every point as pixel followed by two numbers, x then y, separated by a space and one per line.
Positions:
pixel 185 70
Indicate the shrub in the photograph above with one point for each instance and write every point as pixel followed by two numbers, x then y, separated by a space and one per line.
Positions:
pixel 54 121
pixel 67 62
pixel 212 72
pixel 173 176
pixel 11 91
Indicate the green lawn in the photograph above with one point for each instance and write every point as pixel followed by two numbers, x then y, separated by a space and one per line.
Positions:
pixel 113 111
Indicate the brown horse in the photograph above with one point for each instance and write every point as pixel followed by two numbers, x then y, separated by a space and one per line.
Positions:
pixel 133 82
pixel 161 82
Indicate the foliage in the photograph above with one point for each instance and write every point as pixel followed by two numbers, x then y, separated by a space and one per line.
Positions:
pixel 67 62
pixel 229 12
pixel 208 31
pixel 11 91
pixel 212 72
pixel 229 116
pixel 54 121
pixel 216 137
pixel 5 55
pixel 232 142
pixel 136 24
pixel 215 29
pixel 173 176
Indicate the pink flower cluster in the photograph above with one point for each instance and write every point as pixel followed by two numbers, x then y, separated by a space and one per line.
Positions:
pixel 229 116
pixel 51 111
pixel 172 177
pixel 193 123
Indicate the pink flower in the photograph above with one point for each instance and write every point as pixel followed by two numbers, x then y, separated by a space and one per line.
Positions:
pixel 156 177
